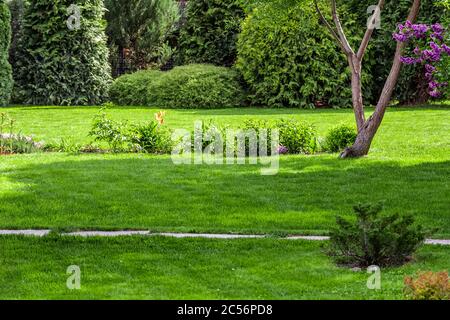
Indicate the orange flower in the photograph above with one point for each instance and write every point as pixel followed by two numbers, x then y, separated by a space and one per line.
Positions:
pixel 160 117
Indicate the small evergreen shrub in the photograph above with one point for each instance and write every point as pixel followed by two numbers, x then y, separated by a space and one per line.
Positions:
pixel 6 81
pixel 297 137
pixel 191 86
pixel 339 138
pixel 428 286
pixel 374 239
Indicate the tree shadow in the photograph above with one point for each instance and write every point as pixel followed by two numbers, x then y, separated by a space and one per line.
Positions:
pixel 149 192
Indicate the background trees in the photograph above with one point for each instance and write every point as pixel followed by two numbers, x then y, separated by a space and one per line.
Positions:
pixel 6 81
pixel 59 65
pixel 137 31
pixel 210 32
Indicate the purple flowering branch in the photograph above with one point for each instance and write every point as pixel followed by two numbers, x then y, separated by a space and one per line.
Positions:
pixel 434 52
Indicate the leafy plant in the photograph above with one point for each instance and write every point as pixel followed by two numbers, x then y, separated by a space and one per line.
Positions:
pixel 151 138
pixel 428 286
pixel 114 133
pixel 6 80
pixel 191 86
pixel 374 239
pixel 297 137
pixel 340 137
pixel 58 65
pixel 11 142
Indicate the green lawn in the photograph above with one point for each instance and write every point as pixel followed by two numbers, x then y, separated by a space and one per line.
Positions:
pixel 408 168
pixel 164 268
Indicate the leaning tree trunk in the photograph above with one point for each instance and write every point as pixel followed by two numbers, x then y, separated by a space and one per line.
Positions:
pixel 367 131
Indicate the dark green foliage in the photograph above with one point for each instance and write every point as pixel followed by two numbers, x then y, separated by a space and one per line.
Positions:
pixel 297 137
pixel 210 32
pixel 6 81
pixel 140 27
pixel 17 8
pixel 191 86
pixel 339 138
pixel 59 66
pixel 287 58
pixel 374 239
pixel 411 87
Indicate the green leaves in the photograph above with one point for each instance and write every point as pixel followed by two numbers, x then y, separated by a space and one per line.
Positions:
pixel 375 239
pixel 210 33
pixel 6 81
pixel 59 66
pixel 191 86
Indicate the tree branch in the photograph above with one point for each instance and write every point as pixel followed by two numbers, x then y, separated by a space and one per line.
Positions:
pixel 329 27
pixel 340 31
pixel 368 35
pixel 375 120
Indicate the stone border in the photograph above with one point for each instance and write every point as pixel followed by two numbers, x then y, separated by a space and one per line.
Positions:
pixel 122 233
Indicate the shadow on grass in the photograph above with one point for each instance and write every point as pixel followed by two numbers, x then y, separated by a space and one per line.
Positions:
pixel 131 191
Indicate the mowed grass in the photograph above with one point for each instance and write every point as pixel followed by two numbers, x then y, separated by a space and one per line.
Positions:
pixel 166 268
pixel 408 168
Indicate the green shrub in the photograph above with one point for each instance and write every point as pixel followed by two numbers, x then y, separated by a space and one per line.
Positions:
pixel 287 59
pixel 428 286
pixel 339 138
pixel 210 32
pixel 298 137
pixel 114 133
pixel 191 86
pixel 151 138
pixel 374 239
pixel 58 65
pixel 6 81
pixel 120 136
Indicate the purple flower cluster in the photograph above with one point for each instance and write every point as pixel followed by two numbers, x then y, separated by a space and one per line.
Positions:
pixel 436 48
pixel 282 150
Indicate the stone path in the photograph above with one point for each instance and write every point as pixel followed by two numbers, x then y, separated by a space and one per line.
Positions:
pixel 42 233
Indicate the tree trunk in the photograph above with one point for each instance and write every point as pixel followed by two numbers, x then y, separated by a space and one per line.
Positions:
pixel 357 98
pixel 367 132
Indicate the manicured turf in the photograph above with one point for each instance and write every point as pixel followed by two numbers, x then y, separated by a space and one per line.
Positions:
pixel 408 168
pixel 163 268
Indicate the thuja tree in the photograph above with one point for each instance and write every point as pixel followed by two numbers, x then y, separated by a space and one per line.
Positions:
pixel 63 57
pixel 6 81
pixel 367 128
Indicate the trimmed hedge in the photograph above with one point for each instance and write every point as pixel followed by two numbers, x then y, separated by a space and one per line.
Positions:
pixel 6 81
pixel 59 66
pixel 210 32
pixel 288 59
pixel 191 86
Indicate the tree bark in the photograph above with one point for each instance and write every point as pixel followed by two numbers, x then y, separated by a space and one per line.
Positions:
pixel 357 98
pixel 370 127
